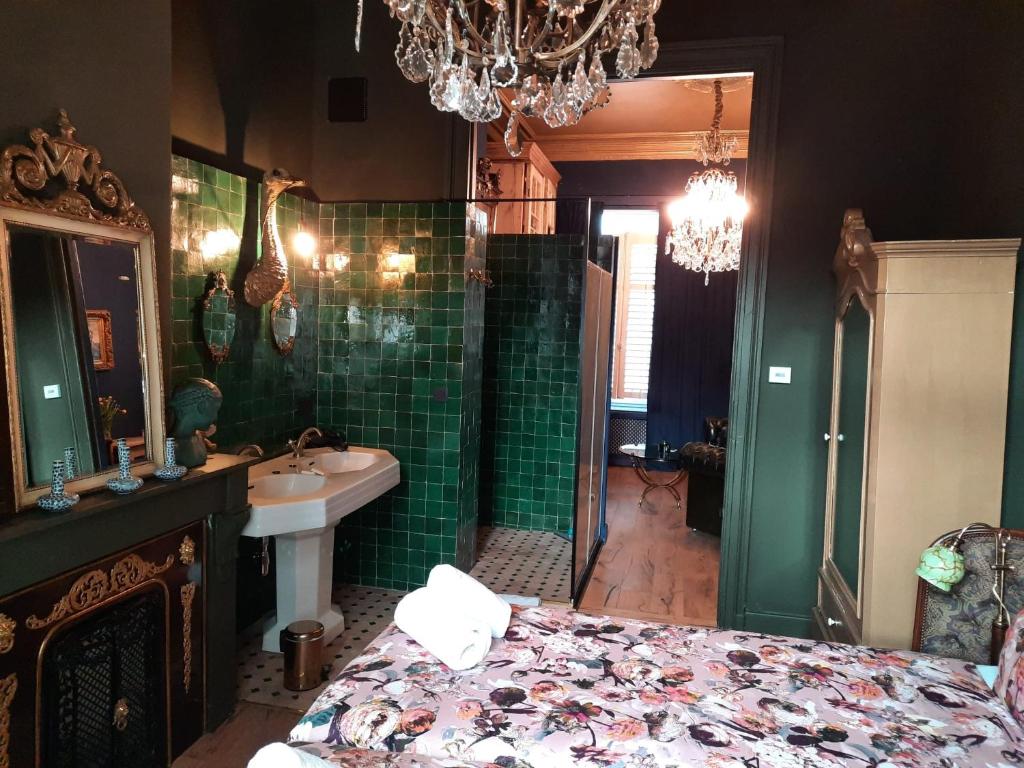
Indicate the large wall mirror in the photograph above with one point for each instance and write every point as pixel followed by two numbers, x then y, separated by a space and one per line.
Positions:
pixel 80 327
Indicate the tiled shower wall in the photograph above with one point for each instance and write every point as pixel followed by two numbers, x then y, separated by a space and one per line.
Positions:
pixel 398 361
pixel 531 380
pixel 396 351
pixel 267 398
pixel 391 359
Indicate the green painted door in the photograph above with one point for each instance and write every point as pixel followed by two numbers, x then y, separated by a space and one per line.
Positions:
pixel 850 437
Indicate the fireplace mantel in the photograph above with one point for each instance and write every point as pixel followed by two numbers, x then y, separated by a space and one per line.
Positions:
pixel 36 547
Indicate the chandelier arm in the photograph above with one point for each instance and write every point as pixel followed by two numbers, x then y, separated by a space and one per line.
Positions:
pixel 475 57
pixel 607 6
pixel 470 27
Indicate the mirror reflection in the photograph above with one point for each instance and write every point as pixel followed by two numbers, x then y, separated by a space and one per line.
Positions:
pixel 75 304
pixel 855 335
pixel 219 318
pixel 284 321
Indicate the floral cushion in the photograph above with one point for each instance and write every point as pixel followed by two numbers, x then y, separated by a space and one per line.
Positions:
pixel 1010 680
pixel 563 689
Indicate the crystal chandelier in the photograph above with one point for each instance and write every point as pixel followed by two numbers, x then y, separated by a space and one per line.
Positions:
pixel 546 52
pixel 707 222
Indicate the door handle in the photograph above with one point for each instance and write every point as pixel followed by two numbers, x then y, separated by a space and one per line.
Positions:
pixel 840 437
pixel 833 622
pixel 827 437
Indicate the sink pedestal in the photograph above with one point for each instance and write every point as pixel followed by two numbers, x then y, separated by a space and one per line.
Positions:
pixel 305 565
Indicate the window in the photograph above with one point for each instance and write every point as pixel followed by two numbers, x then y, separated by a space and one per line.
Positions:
pixel 637 231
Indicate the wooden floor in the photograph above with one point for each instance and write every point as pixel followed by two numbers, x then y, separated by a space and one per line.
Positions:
pixel 236 741
pixel 653 566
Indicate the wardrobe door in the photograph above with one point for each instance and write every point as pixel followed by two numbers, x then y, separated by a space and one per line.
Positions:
pixel 840 606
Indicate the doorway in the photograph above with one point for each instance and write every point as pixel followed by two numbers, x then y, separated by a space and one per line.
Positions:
pixel 759 57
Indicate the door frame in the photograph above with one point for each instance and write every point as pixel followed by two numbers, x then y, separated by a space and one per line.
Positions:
pixel 763 57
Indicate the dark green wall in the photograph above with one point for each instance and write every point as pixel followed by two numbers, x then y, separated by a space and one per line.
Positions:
pixel 531 381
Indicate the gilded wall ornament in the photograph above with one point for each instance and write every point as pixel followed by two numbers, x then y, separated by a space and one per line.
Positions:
pixel 270 274
pixel 97 586
pixel 7 627
pixel 8 687
pixel 187 551
pixel 188 593
pixel 29 176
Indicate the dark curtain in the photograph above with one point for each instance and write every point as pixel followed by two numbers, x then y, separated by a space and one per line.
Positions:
pixel 691 353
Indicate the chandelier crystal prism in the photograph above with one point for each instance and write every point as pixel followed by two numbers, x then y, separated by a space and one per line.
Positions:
pixel 707 222
pixel 547 53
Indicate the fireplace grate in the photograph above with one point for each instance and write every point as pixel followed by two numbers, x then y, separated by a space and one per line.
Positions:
pixel 105 688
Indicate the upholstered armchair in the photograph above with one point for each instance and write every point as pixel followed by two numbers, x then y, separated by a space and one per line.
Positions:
pixel 705 465
pixel 962 623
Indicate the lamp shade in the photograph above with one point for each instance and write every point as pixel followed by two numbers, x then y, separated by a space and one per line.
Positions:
pixel 942 567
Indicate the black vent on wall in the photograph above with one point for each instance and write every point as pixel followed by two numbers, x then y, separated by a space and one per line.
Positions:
pixel 346 100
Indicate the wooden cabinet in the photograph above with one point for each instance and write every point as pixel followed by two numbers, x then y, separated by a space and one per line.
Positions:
pixel 530 184
pixel 918 419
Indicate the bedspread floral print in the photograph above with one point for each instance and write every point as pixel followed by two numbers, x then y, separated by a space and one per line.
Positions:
pixel 566 690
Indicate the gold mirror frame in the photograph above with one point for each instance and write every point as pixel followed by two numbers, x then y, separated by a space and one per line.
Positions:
pixel 59 185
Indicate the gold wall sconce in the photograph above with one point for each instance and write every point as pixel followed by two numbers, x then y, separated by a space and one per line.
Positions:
pixel 395 266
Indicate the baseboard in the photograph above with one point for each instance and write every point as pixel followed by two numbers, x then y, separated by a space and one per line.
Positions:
pixel 779 624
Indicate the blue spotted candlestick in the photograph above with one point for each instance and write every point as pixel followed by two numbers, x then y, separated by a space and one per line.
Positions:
pixel 70 464
pixel 125 482
pixel 57 500
pixel 171 470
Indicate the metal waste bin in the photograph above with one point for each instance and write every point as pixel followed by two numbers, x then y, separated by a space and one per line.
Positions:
pixel 302 643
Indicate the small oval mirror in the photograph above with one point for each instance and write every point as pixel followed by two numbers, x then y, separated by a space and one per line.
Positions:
pixel 284 321
pixel 219 319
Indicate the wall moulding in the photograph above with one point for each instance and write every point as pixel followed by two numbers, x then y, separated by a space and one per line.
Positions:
pixel 680 145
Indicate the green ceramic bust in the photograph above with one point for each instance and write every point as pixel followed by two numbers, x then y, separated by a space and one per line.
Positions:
pixel 194 406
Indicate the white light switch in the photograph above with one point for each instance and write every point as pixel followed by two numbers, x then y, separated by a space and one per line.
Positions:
pixel 778 374
pixel 51 391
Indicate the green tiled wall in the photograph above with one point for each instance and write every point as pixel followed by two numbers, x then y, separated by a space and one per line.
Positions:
pixel 392 368
pixel 267 398
pixel 530 381
pixel 390 361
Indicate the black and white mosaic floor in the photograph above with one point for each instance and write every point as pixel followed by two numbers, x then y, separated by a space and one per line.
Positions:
pixel 526 563
pixel 367 611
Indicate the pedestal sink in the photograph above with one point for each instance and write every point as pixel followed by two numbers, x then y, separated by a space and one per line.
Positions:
pixel 299 502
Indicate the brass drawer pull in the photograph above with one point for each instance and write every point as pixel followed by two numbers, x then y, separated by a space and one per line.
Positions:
pixel 121 714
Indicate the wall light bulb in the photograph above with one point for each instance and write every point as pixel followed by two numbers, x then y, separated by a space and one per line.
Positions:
pixel 304 244
pixel 219 242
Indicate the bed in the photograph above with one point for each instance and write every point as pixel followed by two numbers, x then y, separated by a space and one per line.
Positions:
pixel 567 690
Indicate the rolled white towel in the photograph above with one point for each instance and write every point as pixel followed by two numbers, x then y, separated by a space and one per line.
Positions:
pixel 442 626
pixel 472 596
pixel 282 756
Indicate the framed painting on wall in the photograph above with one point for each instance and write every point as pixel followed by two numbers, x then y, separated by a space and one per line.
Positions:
pixel 101 340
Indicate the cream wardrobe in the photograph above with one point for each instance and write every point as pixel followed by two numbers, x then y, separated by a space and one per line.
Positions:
pixel 919 398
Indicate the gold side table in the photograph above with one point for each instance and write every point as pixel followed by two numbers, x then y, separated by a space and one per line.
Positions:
pixel 644 457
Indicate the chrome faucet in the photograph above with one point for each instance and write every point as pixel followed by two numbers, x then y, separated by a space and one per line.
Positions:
pixel 299 446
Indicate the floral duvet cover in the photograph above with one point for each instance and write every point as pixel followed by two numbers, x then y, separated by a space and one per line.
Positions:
pixel 567 690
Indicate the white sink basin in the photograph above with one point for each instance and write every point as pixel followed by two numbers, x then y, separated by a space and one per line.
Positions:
pixel 286 502
pixel 300 501
pixel 337 462
pixel 285 486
